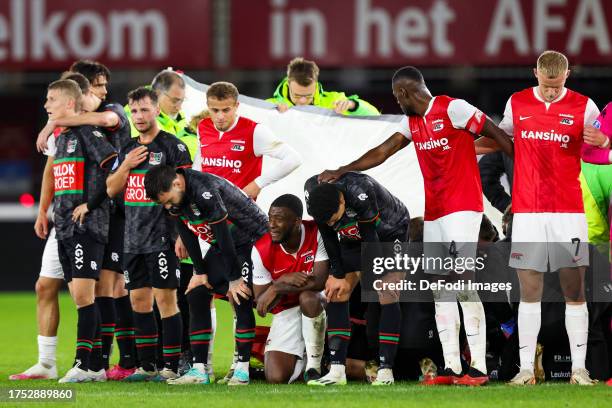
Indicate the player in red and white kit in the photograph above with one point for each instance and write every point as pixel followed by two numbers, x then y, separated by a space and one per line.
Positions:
pixel 290 267
pixel 233 147
pixel 549 230
pixel 443 131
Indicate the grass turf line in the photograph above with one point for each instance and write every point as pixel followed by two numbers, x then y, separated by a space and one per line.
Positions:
pixel 19 351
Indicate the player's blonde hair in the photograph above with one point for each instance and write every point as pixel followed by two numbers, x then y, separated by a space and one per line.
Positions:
pixel 195 119
pixel 552 64
pixel 69 88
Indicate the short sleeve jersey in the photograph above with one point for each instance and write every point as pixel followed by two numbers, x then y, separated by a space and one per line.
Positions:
pixel 80 154
pixel 547 150
pixel 444 143
pixel 271 261
pixel 147 227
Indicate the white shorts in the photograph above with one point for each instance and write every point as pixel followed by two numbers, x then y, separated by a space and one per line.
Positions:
pixel 549 241
pixel 51 266
pixel 286 336
pixel 453 235
pixel 286 333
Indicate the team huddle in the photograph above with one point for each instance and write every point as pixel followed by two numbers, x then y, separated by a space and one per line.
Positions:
pixel 154 217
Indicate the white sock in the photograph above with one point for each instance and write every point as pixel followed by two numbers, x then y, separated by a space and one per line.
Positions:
pixel 46 350
pixel 337 370
pixel 577 326
pixel 529 322
pixel 313 331
pixel 201 367
pixel 447 322
pixel 476 330
pixel 242 366
pixel 209 358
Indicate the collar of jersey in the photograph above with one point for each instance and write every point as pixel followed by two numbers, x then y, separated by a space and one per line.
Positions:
pixel 431 101
pixel 230 128
pixel 539 98
pixel 303 237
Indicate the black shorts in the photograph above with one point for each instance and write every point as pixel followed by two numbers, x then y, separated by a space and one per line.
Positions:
pixel 159 270
pixel 80 256
pixel 113 252
pixel 217 269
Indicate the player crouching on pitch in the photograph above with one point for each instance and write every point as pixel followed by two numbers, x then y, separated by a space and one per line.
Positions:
pixel 213 210
pixel 290 268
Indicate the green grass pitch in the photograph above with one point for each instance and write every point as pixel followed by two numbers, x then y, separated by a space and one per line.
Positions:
pixel 19 351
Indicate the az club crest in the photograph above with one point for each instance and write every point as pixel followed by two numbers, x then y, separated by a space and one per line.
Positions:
pixel 155 158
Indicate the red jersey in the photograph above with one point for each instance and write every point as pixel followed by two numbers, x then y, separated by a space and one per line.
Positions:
pixel 444 143
pixel 229 154
pixel 547 148
pixel 271 261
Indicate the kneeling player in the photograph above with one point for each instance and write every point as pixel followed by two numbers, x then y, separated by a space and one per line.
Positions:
pixel 217 212
pixel 290 267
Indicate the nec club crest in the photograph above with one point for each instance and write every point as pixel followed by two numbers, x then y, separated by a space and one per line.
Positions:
pixel 71 147
pixel 195 210
pixel 155 158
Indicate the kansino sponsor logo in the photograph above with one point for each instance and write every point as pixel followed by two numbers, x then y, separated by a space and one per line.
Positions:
pixel 432 144
pixel 223 162
pixel 551 136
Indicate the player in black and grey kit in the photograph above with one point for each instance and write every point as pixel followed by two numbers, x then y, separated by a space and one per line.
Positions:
pixel 81 157
pixel 355 209
pixel 213 210
pixel 150 265
pixel 111 119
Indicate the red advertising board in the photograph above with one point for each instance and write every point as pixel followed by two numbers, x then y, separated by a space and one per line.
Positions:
pixel 267 33
pixel 50 34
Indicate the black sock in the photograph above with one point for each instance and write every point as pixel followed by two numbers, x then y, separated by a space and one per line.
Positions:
pixel 200 324
pixel 245 329
pixel 183 303
pixel 389 333
pixel 86 331
pixel 146 339
pixel 125 332
pixel 108 317
pixel 338 331
pixel 95 359
pixel 172 328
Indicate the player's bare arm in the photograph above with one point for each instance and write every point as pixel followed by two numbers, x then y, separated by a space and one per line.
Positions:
pixel 41 226
pixel 595 137
pixel 498 136
pixel 485 145
pixel 371 158
pixel 314 282
pixel 265 298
